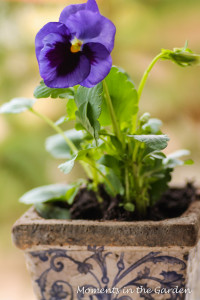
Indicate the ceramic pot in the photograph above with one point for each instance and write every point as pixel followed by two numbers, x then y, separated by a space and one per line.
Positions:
pixel 96 260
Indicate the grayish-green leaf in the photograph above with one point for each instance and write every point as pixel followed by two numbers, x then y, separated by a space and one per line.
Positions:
pixel 45 193
pixel 152 126
pixel 178 154
pixel 123 96
pixel 157 155
pixel 57 146
pixel 17 105
pixel 43 91
pixel 145 118
pixel 153 142
pixel 61 120
pixel 68 165
pixel 88 101
pixel 172 160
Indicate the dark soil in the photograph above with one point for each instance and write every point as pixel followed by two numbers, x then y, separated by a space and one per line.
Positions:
pixel 172 204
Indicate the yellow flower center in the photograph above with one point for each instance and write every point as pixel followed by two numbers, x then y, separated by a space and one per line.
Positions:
pixel 76 45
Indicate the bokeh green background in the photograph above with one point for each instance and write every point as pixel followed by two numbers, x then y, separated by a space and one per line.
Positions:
pixel 172 94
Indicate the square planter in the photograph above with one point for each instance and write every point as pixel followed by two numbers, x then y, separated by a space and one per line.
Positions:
pixel 77 259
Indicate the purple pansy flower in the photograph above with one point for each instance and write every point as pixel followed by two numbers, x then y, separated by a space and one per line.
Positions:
pixel 76 50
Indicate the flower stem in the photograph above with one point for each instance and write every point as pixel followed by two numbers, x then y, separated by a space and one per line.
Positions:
pixel 115 124
pixel 67 140
pixel 146 73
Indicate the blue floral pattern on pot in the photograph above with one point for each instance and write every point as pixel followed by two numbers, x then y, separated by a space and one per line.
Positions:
pixel 144 278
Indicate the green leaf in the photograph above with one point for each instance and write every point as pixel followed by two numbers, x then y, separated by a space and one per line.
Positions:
pixel 52 211
pixel 16 106
pixel 45 193
pixel 73 190
pixel 153 142
pixel 110 162
pixel 123 96
pixel 188 162
pixel 68 165
pixel 57 146
pixel 71 109
pixel 43 91
pixel 116 183
pixel 129 207
pixel 88 101
pixel 158 187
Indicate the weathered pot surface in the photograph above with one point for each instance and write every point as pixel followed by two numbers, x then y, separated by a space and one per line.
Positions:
pixel 76 259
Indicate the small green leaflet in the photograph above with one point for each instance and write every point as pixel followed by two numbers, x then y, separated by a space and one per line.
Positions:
pixel 71 109
pixel 88 101
pixel 45 193
pixel 68 165
pixel 43 91
pixel 17 105
pixel 129 206
pixel 153 142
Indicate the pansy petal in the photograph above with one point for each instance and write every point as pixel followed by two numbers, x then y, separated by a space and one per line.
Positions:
pixel 92 27
pixel 51 27
pixel 74 8
pixel 73 78
pixel 70 10
pixel 101 63
pixel 92 5
pixel 72 75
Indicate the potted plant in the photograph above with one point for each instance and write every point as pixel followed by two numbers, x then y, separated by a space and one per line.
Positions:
pixel 115 235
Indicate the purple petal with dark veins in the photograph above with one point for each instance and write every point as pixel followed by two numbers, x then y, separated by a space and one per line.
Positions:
pixel 92 27
pixel 101 63
pixel 59 67
pixel 51 27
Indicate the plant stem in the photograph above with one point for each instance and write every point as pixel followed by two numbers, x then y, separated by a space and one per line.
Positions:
pixel 115 124
pixel 67 140
pixel 105 178
pixel 146 73
pixel 127 184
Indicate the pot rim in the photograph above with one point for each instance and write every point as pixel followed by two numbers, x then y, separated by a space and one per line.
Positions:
pixel 32 230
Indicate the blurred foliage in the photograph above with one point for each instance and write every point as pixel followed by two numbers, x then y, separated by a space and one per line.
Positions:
pixel 143 28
